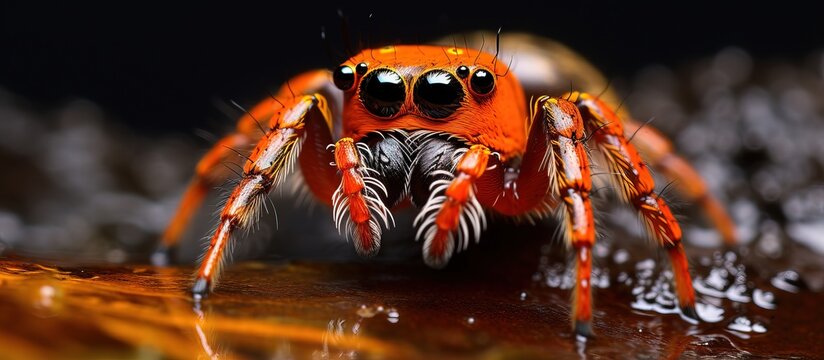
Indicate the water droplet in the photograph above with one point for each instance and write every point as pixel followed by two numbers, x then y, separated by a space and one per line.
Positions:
pixel 393 316
pixel 600 278
pixel 601 250
pixel 709 313
pixel 621 256
pixel 647 264
pixel 738 293
pixel 745 325
pixel 759 328
pixel 741 324
pixel 787 280
pixel 726 280
pixel 470 320
pixel 717 278
pixel 523 295
pixel 764 299
pixel 622 277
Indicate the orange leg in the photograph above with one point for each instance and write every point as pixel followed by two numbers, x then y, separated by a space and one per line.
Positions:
pixel 636 185
pixel 451 206
pixel 358 192
pixel 268 164
pixel 554 169
pixel 556 163
pixel 659 152
pixel 209 173
pixel 569 163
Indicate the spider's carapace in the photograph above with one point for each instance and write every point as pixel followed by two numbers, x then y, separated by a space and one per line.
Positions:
pixel 488 118
pixel 450 130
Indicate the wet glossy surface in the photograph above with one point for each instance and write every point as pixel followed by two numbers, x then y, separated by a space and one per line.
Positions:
pixel 482 306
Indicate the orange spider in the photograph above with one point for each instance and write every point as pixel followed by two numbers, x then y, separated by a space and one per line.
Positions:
pixel 449 129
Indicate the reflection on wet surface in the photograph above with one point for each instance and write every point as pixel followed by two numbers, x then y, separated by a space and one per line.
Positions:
pixel 481 306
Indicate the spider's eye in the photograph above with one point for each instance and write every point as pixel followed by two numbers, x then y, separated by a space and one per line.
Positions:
pixel 344 77
pixel 383 92
pixel 438 94
pixel 361 68
pixel 482 82
pixel 463 71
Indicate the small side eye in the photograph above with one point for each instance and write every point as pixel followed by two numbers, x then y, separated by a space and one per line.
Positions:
pixel 462 71
pixel 344 77
pixel 482 82
pixel 361 68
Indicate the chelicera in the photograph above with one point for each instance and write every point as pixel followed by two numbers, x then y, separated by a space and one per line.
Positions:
pixel 458 139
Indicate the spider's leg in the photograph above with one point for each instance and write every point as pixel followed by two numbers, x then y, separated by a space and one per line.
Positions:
pixel 359 195
pixel 572 182
pixel 268 164
pixel 212 171
pixel 637 187
pixel 554 169
pixel 659 153
pixel 374 176
pixel 448 175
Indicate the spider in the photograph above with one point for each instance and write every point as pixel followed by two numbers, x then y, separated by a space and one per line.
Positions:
pixel 449 129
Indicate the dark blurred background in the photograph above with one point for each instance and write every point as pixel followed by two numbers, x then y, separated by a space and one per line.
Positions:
pixel 164 66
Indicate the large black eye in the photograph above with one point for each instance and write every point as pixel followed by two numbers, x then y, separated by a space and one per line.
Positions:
pixel 438 94
pixel 482 82
pixel 344 77
pixel 383 92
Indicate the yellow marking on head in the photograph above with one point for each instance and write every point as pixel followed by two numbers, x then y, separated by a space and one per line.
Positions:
pixel 386 50
pixel 455 51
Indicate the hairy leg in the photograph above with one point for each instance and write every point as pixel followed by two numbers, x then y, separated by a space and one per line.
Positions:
pixel 555 170
pixel 267 165
pixel 635 183
pixel 211 170
pixel 450 210
pixel 661 156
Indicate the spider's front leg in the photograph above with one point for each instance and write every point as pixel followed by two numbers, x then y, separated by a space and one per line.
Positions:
pixel 374 176
pixel 303 118
pixel 446 173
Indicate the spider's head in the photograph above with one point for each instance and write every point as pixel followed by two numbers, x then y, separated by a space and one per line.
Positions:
pixel 448 90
